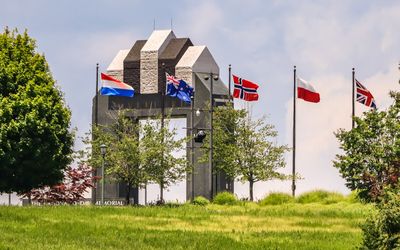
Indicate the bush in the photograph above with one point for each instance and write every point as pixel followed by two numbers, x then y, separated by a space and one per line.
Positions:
pixel 200 201
pixel 382 231
pixel 276 199
pixel 225 198
pixel 353 197
pixel 320 196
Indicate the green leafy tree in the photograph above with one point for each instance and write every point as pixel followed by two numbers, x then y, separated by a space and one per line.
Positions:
pixel 371 158
pixel 123 155
pixel 258 157
pixel 35 137
pixel 245 149
pixel 225 125
pixel 159 155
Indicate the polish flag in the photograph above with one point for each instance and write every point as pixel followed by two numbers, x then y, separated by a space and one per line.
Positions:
pixel 306 92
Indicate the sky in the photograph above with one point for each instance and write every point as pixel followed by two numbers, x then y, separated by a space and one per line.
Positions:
pixel 262 40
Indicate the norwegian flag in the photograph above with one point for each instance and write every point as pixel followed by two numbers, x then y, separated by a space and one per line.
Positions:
pixel 364 96
pixel 245 89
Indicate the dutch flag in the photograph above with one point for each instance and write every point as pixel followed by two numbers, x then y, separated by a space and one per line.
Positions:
pixel 112 86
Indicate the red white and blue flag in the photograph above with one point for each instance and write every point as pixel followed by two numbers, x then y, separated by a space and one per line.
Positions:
pixel 364 96
pixel 244 89
pixel 112 86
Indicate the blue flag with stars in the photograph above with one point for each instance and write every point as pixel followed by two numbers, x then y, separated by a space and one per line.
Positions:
pixel 179 88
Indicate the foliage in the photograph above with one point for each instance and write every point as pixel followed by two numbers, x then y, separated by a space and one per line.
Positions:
pixel 225 124
pixel 353 197
pixel 71 190
pixel 298 226
pixel 258 157
pixel 201 201
pixel 246 149
pixel 276 199
pixel 225 198
pixel 123 155
pixel 320 196
pixel 382 231
pixel 371 159
pixel 158 147
pixel 35 137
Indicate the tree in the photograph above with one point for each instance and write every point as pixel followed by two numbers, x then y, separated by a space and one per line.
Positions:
pixel 159 147
pixel 71 190
pixel 35 137
pixel 243 148
pixel 225 125
pixel 123 154
pixel 258 158
pixel 370 163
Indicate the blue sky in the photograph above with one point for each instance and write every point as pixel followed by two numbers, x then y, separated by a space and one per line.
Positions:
pixel 261 39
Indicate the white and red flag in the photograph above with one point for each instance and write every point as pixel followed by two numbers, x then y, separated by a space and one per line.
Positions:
pixel 244 89
pixel 306 91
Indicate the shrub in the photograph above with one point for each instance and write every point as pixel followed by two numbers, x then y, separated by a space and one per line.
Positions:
pixel 225 198
pixel 382 231
pixel 320 196
pixel 353 197
pixel 200 201
pixel 276 199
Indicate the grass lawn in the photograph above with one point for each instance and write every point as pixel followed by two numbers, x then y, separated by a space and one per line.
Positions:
pixel 249 226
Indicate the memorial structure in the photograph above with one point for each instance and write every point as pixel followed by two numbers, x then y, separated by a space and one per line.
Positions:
pixel 144 67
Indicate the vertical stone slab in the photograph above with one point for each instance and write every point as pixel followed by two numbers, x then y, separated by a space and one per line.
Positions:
pixel 149 54
pixel 116 67
pixel 197 59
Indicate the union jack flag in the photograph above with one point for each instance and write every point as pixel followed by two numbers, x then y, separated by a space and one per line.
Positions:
pixel 173 80
pixel 364 96
pixel 245 89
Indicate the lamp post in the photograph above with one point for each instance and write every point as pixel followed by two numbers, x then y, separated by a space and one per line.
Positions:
pixel 103 150
pixel 212 77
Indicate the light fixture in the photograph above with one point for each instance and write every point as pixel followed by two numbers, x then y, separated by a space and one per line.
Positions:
pixel 103 149
pixel 198 112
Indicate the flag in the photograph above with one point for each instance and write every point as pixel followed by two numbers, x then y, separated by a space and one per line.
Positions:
pixel 364 96
pixel 179 88
pixel 244 89
pixel 306 92
pixel 112 86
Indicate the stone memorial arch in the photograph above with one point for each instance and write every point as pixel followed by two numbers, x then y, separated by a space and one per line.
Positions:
pixel 143 67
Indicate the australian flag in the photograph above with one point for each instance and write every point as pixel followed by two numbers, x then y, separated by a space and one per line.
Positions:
pixel 179 88
pixel 364 96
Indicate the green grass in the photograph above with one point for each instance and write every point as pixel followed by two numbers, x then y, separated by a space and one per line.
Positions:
pixel 245 226
pixel 319 196
pixel 276 199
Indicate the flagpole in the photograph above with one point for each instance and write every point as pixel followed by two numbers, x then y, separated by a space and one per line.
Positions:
pixel 162 128
pixel 229 82
pixel 294 134
pixel 211 135
pixel 353 99
pixel 96 117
